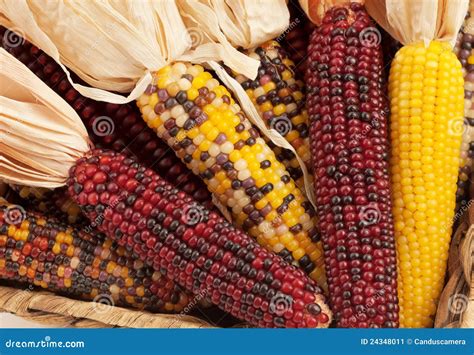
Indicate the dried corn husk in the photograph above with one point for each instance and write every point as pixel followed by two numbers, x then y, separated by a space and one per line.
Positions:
pixel 411 21
pixel 113 45
pixel 241 23
pixel 41 136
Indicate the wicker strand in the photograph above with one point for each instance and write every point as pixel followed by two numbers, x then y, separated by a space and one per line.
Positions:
pixel 52 310
pixel 456 304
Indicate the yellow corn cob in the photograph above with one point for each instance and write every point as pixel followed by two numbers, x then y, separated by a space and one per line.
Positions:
pixel 280 100
pixel 198 118
pixel 426 96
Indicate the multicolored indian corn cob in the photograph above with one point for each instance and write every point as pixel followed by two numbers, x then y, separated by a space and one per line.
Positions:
pixel 118 127
pixel 426 101
pixel 193 246
pixel 279 98
pixel 349 143
pixel 464 50
pixel 53 203
pixel 198 118
pixel 43 252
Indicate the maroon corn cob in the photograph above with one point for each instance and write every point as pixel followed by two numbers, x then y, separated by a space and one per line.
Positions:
pixel 296 38
pixel 40 251
pixel 118 127
pixel 193 246
pixel 349 144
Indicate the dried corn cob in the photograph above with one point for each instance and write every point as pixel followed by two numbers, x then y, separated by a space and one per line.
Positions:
pixel 193 246
pixel 118 127
pixel 296 38
pixel 57 257
pixel 279 98
pixel 426 96
pixel 465 54
pixel 53 203
pixel 197 117
pixel 349 144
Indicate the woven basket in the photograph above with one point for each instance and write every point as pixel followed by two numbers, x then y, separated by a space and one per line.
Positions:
pixel 57 311
pixel 455 310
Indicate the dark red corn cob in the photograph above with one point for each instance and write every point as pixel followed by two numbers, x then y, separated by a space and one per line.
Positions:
pixel 193 246
pixel 349 144
pixel 40 251
pixel 118 127
pixel 296 38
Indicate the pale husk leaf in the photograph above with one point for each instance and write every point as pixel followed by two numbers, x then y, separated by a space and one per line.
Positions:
pixel 411 21
pixel 243 23
pixel 41 136
pixel 114 46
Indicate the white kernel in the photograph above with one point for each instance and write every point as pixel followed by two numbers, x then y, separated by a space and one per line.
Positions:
pixel 198 139
pixel 239 194
pixel 244 174
pixel 214 150
pixel 240 164
pixel 227 147
pixel 184 84
pixel 179 69
pixel 177 111
pixel 181 119
pixel 210 162
pixel 165 116
pixel 244 201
